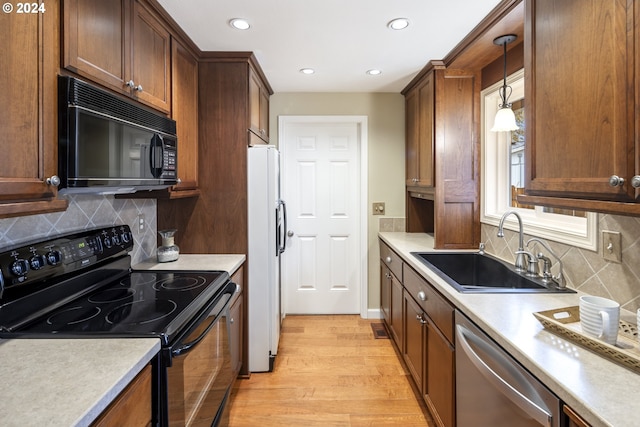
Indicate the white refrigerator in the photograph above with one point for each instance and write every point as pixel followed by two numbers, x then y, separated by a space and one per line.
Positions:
pixel 266 231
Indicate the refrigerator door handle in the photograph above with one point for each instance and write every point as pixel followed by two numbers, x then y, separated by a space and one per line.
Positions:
pixel 282 228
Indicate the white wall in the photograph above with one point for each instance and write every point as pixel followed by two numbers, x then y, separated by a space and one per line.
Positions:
pixel 386 148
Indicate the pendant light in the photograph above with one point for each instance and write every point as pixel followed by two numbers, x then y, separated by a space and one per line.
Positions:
pixel 505 119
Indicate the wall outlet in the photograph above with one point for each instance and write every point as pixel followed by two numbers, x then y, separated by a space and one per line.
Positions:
pixel 141 223
pixel 612 246
pixel 378 208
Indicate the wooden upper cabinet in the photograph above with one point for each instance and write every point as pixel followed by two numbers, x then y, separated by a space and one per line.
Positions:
pixel 419 104
pixel 151 59
pixel 121 45
pixel 258 107
pixel 185 112
pixel 581 100
pixel 28 94
pixel 99 52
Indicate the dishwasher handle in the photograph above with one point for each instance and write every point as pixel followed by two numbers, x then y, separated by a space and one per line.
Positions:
pixel 532 409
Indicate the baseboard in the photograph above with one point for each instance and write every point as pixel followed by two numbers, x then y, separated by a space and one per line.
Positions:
pixel 374 313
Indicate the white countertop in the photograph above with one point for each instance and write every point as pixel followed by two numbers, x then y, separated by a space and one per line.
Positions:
pixel 66 382
pixel 602 392
pixel 196 262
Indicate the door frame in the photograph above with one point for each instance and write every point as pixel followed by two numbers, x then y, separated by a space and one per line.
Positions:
pixel 362 124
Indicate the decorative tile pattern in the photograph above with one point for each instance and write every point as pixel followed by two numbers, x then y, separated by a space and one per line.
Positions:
pixel 84 212
pixel 586 270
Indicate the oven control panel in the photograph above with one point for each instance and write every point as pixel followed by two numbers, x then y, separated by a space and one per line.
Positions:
pixel 45 259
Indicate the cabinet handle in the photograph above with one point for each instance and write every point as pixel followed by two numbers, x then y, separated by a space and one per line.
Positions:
pixel 53 180
pixel 635 181
pixel 131 85
pixel 388 259
pixel 422 296
pixel 616 181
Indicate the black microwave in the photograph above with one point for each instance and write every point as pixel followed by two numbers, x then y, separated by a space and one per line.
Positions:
pixel 110 145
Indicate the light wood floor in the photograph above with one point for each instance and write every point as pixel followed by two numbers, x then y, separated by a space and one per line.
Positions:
pixel 330 371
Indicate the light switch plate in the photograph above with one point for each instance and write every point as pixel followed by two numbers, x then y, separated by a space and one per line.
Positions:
pixel 612 246
pixel 378 208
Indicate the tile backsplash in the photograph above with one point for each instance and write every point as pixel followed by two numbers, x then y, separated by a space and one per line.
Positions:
pixel 586 270
pixel 84 212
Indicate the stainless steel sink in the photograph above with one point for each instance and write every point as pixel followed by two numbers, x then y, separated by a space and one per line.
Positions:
pixel 472 272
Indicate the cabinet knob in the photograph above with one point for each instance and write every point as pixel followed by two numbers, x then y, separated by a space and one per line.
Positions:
pixel 388 259
pixel 616 181
pixel 132 85
pixel 420 319
pixel 422 296
pixel 387 275
pixel 635 181
pixel 53 180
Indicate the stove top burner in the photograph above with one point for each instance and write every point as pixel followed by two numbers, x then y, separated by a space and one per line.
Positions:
pixel 73 316
pixel 141 312
pixel 112 295
pixel 180 283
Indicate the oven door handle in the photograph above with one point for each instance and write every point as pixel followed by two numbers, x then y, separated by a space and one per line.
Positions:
pixel 229 289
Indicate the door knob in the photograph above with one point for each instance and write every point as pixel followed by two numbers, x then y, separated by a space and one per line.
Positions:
pixel 290 233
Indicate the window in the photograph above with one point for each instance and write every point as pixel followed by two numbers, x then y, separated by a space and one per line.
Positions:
pixel 503 174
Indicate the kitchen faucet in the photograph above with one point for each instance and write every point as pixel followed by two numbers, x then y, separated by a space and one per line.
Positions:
pixel 521 261
pixel 547 277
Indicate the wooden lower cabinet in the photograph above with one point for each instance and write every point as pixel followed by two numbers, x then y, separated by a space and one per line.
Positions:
pixel 385 293
pixel 572 418
pixel 132 407
pixel 396 327
pixel 415 340
pixel 439 389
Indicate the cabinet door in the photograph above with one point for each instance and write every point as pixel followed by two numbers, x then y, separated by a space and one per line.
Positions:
pixel 184 104
pixel 96 40
pixel 412 105
pixel 258 107
pixel 385 293
pixel 440 378
pixel 415 340
pixel 580 98
pixel 572 418
pixel 151 59
pixel 420 134
pixel 397 302
pixel 132 407
pixel 28 95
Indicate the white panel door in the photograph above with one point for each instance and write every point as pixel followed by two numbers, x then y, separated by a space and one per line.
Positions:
pixel 321 184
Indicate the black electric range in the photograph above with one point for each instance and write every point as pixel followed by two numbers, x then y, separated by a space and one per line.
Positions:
pixel 81 285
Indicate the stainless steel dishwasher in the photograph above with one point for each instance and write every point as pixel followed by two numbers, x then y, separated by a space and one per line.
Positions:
pixel 492 389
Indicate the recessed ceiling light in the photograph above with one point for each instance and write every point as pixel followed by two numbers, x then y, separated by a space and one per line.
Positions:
pixel 239 24
pixel 398 24
pixel 307 70
pixel 374 72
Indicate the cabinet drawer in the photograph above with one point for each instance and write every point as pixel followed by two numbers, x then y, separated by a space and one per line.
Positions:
pixel 391 260
pixel 437 308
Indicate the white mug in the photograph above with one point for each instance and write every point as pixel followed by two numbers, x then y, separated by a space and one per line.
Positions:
pixel 600 317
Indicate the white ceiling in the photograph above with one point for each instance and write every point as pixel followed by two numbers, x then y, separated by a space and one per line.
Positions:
pixel 340 39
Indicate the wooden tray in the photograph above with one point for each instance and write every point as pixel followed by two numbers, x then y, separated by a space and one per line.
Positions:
pixel 566 322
